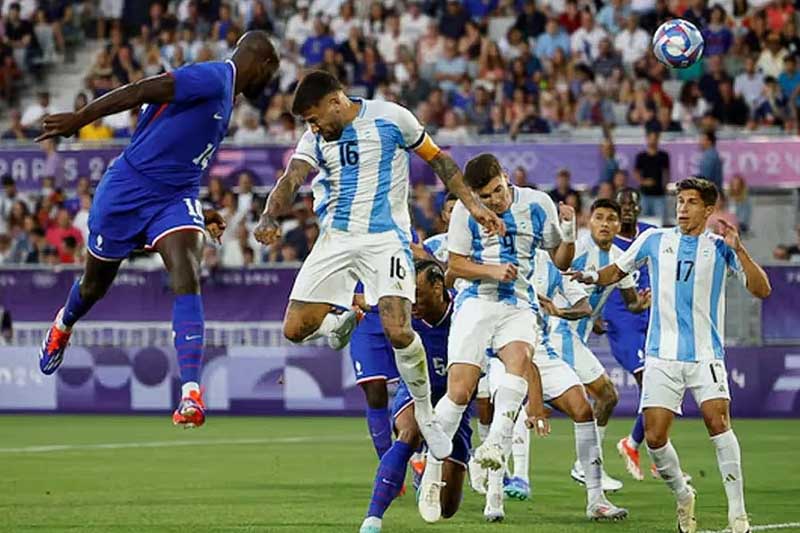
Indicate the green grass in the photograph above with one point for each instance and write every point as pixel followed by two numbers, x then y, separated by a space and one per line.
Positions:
pixel 315 475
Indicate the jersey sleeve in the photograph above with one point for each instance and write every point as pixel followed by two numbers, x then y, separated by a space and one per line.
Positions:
pixel 306 149
pixel 201 81
pixel 459 237
pixel 572 291
pixel 627 282
pixel 734 266
pixel 411 131
pixel 551 232
pixel 636 254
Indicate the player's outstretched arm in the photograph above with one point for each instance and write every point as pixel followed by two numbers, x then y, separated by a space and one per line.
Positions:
pixel 757 280
pixel 636 301
pixel 537 414
pixel 603 277
pixel 447 169
pixel 280 200
pixel 154 90
pixel 580 310
pixel 461 266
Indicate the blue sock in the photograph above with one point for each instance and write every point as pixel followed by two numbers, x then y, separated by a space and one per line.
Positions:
pixel 75 307
pixel 637 435
pixel 380 429
pixel 389 478
pixel 188 326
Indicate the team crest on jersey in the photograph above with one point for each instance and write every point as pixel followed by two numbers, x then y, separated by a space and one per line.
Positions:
pixel 99 242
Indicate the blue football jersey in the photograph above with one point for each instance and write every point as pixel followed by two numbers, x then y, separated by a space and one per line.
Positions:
pixel 434 338
pixel 616 313
pixel 174 142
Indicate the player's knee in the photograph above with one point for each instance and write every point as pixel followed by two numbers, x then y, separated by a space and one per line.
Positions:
pixel 583 412
pixel 655 437
pixel 294 332
pixel 399 335
pixel 91 291
pixel 608 396
pixel 375 393
pixel 717 424
pixel 186 281
pixel 410 436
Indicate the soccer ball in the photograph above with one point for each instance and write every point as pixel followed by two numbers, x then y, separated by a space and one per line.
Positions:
pixel 678 43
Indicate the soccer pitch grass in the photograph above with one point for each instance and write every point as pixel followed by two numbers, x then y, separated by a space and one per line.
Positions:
pixel 114 474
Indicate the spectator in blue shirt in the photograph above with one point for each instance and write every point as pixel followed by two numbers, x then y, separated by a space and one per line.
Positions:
pixel 454 20
pixel 718 37
pixel 551 39
pixel 789 80
pixel 314 48
pixel 479 9
pixel 710 166
pixel 612 14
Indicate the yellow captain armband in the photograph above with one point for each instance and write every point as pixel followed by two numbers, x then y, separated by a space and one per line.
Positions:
pixel 426 148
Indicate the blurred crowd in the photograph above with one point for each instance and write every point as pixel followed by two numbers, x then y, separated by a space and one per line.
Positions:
pixel 502 67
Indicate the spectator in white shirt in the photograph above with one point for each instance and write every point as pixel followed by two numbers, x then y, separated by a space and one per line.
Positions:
pixel 413 22
pixel 340 25
pixel 33 114
pixel 250 131
pixel 301 25
pixel 770 62
pixel 750 83
pixel 585 41
pixel 632 42
pixel 391 40
pixel 326 8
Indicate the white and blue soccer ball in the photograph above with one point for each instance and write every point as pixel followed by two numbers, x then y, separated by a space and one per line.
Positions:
pixel 678 43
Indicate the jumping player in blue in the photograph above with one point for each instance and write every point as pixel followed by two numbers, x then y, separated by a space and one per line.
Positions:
pixel 149 195
pixel 432 312
pixel 626 331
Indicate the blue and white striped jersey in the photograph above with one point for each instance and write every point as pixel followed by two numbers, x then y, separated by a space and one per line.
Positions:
pixel 531 223
pixel 589 256
pixel 362 185
pixel 687 278
pixel 437 246
pixel 549 281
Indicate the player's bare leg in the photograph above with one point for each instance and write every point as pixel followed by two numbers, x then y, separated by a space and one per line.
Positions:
pixel 657 423
pixel 182 253
pixel 97 278
pixel 409 355
pixel 305 321
pixel 574 404
pixel 605 397
pixel 462 379
pixel 716 415
pixel 453 475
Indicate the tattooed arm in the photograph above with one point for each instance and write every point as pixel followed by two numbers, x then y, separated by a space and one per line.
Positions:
pixel 448 171
pixel 280 200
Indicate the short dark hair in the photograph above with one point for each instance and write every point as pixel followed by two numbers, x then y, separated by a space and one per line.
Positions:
pixel 606 203
pixel 629 190
pixel 708 191
pixel 432 270
pixel 482 169
pixel 314 86
pixel 712 136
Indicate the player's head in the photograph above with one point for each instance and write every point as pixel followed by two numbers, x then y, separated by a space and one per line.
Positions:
pixel 430 289
pixel 484 175
pixel 629 201
pixel 604 221
pixel 320 100
pixel 697 200
pixel 257 61
pixel 447 207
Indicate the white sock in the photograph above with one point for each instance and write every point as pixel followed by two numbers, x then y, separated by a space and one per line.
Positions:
pixel 494 481
pixel 669 467
pixel 330 323
pixel 633 444
pixel 372 521
pixel 188 387
pixel 449 415
pixel 483 431
pixel 589 456
pixel 508 400
pixel 520 448
pixel 729 459
pixel 60 322
pixel 413 368
pixel 601 437
pixel 433 469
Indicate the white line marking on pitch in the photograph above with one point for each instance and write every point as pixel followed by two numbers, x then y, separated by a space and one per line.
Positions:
pixel 172 444
pixel 765 527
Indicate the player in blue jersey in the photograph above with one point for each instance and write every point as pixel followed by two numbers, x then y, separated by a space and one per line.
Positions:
pixel 684 349
pixel 360 149
pixel 437 244
pixel 625 330
pixel 148 197
pixel 432 313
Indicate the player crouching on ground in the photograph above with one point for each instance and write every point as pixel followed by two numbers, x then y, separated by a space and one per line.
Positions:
pixel 685 339
pixel 432 312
